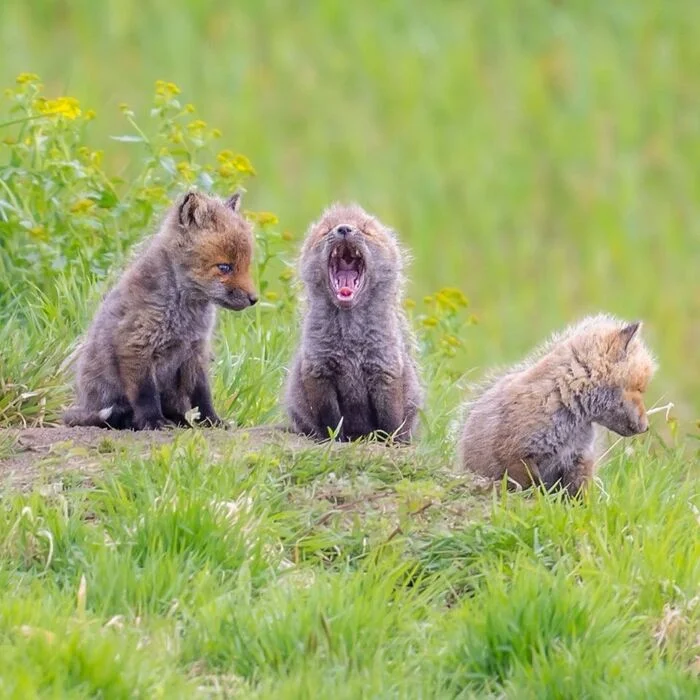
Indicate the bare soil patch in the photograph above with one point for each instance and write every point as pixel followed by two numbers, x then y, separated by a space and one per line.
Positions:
pixel 28 455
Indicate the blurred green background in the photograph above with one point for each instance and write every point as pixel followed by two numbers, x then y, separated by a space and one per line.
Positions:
pixel 541 156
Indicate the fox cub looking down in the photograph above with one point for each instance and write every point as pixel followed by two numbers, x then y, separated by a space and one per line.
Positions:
pixel 354 369
pixel 534 422
pixel 144 361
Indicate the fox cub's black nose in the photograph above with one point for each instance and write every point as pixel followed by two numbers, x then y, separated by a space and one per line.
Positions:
pixel 252 299
pixel 343 230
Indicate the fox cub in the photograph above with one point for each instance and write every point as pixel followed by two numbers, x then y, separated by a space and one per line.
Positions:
pixel 144 361
pixel 534 422
pixel 354 369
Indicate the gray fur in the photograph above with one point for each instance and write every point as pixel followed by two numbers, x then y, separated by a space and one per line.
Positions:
pixel 354 368
pixel 535 421
pixel 144 360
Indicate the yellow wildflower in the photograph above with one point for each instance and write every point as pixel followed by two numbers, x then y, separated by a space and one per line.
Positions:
pixel 82 205
pixel 67 107
pixel 430 322
pixel 428 300
pixel 237 161
pixel 243 164
pixel 197 125
pixel 188 108
pixel 286 275
pixel 165 89
pixel 175 135
pixel 409 304
pixel 38 231
pixel 451 298
pixel 185 169
pixel 216 133
pixel 24 78
pixel 272 296
pixel 263 218
pixel 9 140
pixel 287 236
pixel 445 302
pixel 90 115
pixel 153 193
pixel 227 170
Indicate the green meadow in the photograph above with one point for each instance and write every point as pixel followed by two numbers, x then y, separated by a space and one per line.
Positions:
pixel 538 159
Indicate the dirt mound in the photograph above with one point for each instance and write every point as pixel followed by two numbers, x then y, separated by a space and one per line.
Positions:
pixel 28 454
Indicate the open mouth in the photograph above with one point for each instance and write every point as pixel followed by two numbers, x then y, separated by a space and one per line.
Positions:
pixel 346 270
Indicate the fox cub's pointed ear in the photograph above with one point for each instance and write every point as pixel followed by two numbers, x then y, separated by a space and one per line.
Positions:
pixel 624 337
pixel 191 210
pixel 234 201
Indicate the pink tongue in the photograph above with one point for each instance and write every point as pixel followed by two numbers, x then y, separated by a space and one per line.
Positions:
pixel 345 292
pixel 346 279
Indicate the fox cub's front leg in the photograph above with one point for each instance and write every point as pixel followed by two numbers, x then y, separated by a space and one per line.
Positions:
pixel 576 480
pixel 143 395
pixel 175 402
pixel 320 411
pixel 201 396
pixel 387 396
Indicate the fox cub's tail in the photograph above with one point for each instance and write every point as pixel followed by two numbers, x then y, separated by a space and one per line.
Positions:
pixel 117 416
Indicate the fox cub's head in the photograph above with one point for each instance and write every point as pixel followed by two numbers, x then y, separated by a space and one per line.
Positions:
pixel 623 369
pixel 350 257
pixel 216 246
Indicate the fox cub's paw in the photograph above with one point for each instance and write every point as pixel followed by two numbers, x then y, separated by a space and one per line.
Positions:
pixel 213 422
pixel 148 422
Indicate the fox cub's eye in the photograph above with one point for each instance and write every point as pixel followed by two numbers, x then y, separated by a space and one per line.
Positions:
pixel 225 268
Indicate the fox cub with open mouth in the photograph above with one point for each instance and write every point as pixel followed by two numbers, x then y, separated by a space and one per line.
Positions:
pixel 144 361
pixel 535 421
pixel 354 372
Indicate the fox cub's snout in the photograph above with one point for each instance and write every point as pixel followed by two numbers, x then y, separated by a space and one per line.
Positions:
pixel 349 257
pixel 621 405
pixel 626 414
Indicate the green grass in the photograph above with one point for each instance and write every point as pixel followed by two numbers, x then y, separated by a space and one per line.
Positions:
pixel 542 160
pixel 274 573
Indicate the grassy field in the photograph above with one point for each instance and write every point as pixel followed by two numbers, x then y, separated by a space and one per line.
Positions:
pixel 541 160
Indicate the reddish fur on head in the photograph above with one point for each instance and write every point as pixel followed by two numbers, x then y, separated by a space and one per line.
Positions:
pixel 614 352
pixel 209 235
pixel 616 357
pixel 225 247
